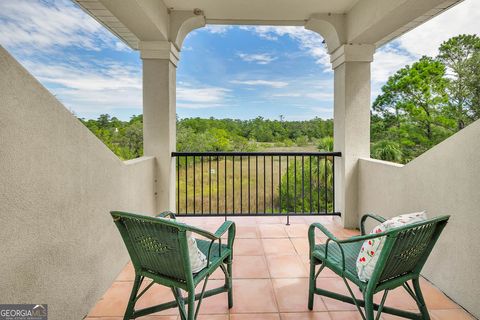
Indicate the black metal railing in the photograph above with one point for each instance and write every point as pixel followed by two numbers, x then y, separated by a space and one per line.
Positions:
pixel 255 183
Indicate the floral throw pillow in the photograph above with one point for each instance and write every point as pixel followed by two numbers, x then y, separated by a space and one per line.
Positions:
pixel 370 251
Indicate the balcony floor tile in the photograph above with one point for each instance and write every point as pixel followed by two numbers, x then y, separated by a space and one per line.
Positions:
pixel 270 279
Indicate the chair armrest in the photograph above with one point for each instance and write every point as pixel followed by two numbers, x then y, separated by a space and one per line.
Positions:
pixel 316 225
pixel 231 228
pixel 166 214
pixel 370 215
pixel 339 243
pixel 226 226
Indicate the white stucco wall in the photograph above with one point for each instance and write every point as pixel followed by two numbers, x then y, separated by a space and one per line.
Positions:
pixel 444 180
pixel 58 182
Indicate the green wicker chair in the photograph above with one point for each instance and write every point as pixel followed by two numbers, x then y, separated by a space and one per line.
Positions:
pixel 159 251
pixel 404 253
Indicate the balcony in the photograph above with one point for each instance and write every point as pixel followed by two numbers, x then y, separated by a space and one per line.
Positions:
pixel 270 272
pixel 58 181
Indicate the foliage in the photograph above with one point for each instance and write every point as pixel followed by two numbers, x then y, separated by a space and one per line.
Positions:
pixel 297 199
pixel 419 106
pixel 412 108
pixel 423 104
pixel 302 141
pixel 124 138
pixel 325 144
pixel 461 55
pixel 387 150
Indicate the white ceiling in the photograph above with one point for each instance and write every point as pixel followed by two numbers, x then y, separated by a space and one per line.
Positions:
pixel 262 9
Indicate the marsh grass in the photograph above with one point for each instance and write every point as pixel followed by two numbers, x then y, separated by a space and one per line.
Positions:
pixel 235 185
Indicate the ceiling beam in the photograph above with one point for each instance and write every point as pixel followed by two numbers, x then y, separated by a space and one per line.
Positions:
pixel 379 21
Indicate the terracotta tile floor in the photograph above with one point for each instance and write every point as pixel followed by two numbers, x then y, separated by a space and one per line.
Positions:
pixel 270 274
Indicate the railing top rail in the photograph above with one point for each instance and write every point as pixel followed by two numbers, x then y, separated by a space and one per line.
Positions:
pixel 274 153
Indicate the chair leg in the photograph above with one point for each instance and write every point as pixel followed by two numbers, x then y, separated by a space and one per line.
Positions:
pixel 420 300
pixel 311 285
pixel 133 295
pixel 229 283
pixel 369 310
pixel 191 305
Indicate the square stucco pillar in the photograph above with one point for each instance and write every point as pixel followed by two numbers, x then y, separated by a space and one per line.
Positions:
pixel 160 60
pixel 351 64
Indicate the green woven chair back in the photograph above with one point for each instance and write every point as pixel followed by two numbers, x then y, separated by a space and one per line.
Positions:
pixel 154 244
pixel 410 247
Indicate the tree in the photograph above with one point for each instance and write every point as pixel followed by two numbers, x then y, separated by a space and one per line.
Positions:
pixel 326 144
pixel 460 55
pixel 412 106
pixel 387 150
pixel 296 198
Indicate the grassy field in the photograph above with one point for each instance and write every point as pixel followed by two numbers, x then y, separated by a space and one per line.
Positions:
pixel 234 186
pixel 228 184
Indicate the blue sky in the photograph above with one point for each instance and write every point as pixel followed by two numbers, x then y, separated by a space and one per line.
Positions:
pixel 224 72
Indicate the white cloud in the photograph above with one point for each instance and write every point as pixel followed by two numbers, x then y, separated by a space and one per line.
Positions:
pixel 185 105
pixel 189 97
pixel 324 96
pixel 260 58
pixel 309 41
pixel 90 88
pixel 387 61
pixel 99 78
pixel 320 96
pixel 287 95
pixel 36 25
pixel 217 29
pixel 424 40
pixel 267 83
pixel 311 112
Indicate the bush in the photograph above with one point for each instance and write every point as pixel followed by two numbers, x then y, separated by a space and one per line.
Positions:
pixel 301 141
pixel 325 144
pixel 387 150
pixel 293 200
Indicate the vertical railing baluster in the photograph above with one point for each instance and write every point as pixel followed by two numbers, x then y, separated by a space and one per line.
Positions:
pixel 201 160
pixel 310 181
pixel 241 184
pixel 233 185
pixel 318 184
pixel 218 185
pixel 194 187
pixel 288 193
pixel 209 184
pixel 303 184
pixel 333 184
pixel 178 184
pixel 248 184
pixel 264 186
pixel 186 184
pixel 325 167
pixel 295 184
pixel 280 184
pixel 256 184
pixel 225 191
pixel 271 179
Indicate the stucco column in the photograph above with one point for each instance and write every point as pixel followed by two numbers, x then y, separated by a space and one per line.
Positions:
pixel 160 60
pixel 351 64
